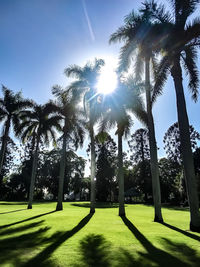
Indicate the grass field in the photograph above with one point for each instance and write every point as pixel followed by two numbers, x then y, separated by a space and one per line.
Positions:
pixel 43 237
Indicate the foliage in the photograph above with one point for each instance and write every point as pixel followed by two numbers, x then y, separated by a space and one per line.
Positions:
pixel 139 145
pixel 173 144
pixel 170 180
pixel 106 169
pixel 48 173
pixel 106 160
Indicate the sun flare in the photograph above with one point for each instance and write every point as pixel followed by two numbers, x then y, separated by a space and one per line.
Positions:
pixel 107 82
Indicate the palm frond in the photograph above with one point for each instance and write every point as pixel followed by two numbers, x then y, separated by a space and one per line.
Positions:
pixel 139 66
pixel 74 71
pixel 182 10
pixel 191 70
pixel 192 30
pixel 161 77
pixel 126 54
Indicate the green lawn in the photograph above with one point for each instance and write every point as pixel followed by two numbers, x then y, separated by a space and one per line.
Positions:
pixel 43 237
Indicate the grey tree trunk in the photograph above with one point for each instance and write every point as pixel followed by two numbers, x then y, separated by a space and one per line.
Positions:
pixel 33 174
pixel 93 171
pixel 153 148
pixel 183 122
pixel 120 176
pixel 62 174
pixel 4 143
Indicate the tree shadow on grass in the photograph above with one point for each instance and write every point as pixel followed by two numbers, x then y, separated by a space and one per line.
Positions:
pixel 156 255
pixel 20 228
pixel 11 211
pixel 26 220
pixel 96 251
pixel 13 248
pixel 58 239
pixel 100 205
pixel 196 237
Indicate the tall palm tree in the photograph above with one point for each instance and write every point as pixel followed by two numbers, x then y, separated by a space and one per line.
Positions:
pixel 115 109
pixel 42 122
pixel 140 37
pixel 85 86
pixel 179 46
pixel 10 107
pixel 72 129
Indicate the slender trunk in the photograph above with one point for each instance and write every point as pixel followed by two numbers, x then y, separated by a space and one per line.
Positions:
pixel 4 143
pixel 120 177
pixel 143 163
pixel 183 122
pixel 62 174
pixel 93 170
pixel 33 174
pixel 153 149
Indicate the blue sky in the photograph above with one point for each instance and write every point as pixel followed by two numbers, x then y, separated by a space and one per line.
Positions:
pixel 40 38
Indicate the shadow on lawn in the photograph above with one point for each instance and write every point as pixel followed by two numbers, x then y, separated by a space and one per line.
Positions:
pixel 196 237
pixel 96 251
pixel 13 249
pixel 101 205
pixel 26 220
pixel 160 257
pixel 41 259
pixel 11 211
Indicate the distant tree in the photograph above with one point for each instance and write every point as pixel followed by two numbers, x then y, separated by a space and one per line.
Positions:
pixel 173 143
pixel 8 167
pixel 106 150
pixel 173 150
pixel 9 158
pixel 139 145
pixel 170 172
pixel 48 174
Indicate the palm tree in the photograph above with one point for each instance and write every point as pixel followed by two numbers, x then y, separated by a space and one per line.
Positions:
pixel 72 130
pixel 179 47
pixel 115 109
pixel 11 105
pixel 42 122
pixel 85 85
pixel 140 38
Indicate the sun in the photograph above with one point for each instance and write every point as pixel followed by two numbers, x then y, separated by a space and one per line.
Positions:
pixel 107 82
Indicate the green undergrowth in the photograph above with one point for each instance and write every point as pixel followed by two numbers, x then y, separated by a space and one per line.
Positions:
pixel 72 237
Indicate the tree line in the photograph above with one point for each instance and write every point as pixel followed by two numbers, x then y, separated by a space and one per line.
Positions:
pixel 156 43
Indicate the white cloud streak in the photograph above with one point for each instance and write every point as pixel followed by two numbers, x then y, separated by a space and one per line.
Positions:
pixel 88 21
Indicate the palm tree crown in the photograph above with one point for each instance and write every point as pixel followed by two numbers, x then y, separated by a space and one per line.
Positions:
pixel 11 106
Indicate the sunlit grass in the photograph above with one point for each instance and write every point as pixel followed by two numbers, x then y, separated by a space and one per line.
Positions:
pixel 42 237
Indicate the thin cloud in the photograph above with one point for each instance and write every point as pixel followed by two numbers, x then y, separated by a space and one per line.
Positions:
pixel 88 21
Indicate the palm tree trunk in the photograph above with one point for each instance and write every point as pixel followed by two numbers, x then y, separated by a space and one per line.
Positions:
pixel 33 174
pixel 186 150
pixel 62 174
pixel 4 143
pixel 120 176
pixel 93 171
pixel 153 148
